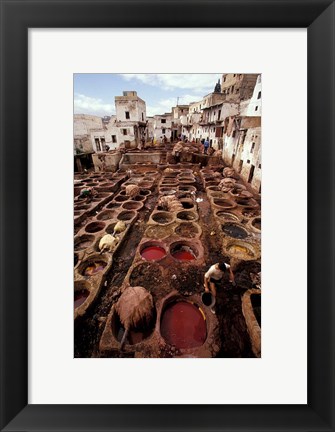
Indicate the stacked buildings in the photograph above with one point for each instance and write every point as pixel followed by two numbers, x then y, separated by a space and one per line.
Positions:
pixel 229 117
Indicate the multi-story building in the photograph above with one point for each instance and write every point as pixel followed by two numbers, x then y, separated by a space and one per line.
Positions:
pixel 238 87
pixel 162 126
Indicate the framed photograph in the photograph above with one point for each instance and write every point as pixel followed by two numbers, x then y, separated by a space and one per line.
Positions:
pixel 50 381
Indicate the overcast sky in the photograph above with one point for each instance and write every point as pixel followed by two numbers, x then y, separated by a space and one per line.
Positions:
pixel 94 93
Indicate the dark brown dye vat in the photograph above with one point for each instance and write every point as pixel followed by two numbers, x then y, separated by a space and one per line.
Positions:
pixel 83 242
pixel 183 325
pixel 126 215
pixel 120 198
pixel 234 231
pixel 187 204
pixel 256 306
pixel 79 297
pixel 162 217
pixel 94 227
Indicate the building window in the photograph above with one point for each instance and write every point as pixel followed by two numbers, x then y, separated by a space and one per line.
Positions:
pixel 248 161
pixel 234 75
pixel 163 131
pixel 219 115
pixel 142 117
pixel 252 147
pixel 163 120
pixel 124 131
pixel 259 95
pixel 97 144
pixel 114 138
pixel 259 166
pixel 256 108
pixel 127 115
pixel 234 133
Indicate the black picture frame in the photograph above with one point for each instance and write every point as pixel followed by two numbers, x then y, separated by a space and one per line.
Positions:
pixel 17 16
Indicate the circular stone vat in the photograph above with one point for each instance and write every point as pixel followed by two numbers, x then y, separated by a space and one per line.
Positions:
pixel 186 215
pixel 145 185
pixel 92 266
pixel 83 242
pixel 113 205
pixel 241 250
pixel 138 198
pixel 256 223
pixel 134 336
pixel 187 188
pixel 106 215
pixel 120 198
pixel 126 215
pixel 158 231
pixel 94 227
pixel 182 251
pixel 246 202
pixel 211 189
pixel 227 216
pixel 217 195
pixel 145 192
pixel 167 191
pixel 132 205
pixel 152 251
pixel 187 229
pixel 81 292
pixel 183 325
pixel 234 230
pixel 82 206
pixel 187 203
pixel 162 217
pixel 223 203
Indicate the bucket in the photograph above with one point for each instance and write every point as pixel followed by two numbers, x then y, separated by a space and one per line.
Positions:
pixel 208 299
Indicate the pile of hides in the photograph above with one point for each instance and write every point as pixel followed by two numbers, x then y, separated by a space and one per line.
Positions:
pixel 108 243
pixel 170 203
pixel 135 309
pixel 132 190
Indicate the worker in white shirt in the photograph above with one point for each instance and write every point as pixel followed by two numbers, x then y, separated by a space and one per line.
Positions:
pixel 215 274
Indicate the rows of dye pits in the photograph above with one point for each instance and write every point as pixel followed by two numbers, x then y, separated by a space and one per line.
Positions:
pixel 104 184
pixel 238 217
pixel 91 266
pixel 171 239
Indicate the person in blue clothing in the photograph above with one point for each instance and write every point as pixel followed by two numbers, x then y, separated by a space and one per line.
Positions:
pixel 206 145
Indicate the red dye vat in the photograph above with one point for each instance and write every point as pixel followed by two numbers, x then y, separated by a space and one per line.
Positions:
pixel 183 255
pixel 183 325
pixel 153 253
pixel 80 297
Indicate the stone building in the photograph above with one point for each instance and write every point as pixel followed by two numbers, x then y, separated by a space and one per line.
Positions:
pixel 238 87
pixel 162 126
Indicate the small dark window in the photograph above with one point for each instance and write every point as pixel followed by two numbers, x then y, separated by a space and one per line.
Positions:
pixel 163 120
pixel 234 134
pixel 114 138
pixel 259 95
pixel 252 147
pixel 124 131
pixel 256 108
pixel 259 166
pixel 127 115
pixel 142 117
pixel 163 131
pixel 248 161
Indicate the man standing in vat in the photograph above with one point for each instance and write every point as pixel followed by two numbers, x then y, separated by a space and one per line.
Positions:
pixel 214 275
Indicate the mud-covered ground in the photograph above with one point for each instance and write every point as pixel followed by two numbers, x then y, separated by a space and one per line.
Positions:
pixel 235 341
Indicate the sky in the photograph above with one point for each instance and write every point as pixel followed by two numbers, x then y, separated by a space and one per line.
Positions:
pixel 94 93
